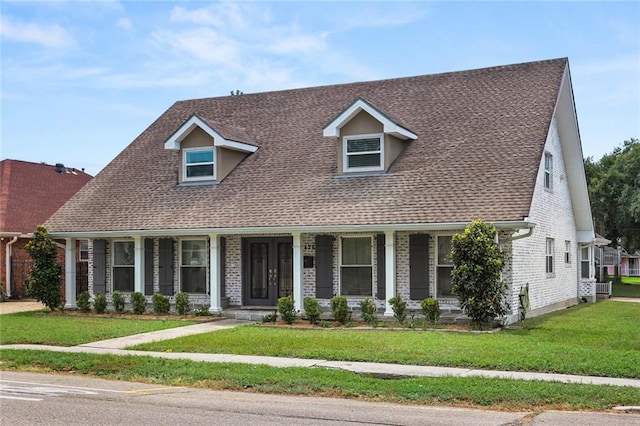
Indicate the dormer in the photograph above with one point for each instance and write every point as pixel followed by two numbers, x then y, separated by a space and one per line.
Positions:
pixel 368 140
pixel 207 154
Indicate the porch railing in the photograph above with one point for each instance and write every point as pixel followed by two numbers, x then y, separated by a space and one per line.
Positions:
pixel 603 288
pixel 634 272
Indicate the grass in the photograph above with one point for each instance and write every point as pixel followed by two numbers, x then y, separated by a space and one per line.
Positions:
pixel 455 391
pixel 44 328
pixel 630 287
pixel 600 339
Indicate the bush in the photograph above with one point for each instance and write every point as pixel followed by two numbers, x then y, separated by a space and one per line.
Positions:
pixel 84 301
pixel 44 278
pixel 340 309
pixel 118 302
pixel 369 309
pixel 399 307
pixel 161 305
pixel 312 310
pixel 287 309
pixel 138 303
pixel 476 276
pixel 100 303
pixel 431 310
pixel 202 311
pixel 182 303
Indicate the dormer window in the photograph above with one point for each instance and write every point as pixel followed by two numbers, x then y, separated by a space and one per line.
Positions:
pixel 199 164
pixel 364 153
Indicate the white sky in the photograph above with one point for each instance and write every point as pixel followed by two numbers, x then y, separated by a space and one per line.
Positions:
pixel 81 80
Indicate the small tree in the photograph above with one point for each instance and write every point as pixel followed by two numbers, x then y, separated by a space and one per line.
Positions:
pixel 476 277
pixel 44 282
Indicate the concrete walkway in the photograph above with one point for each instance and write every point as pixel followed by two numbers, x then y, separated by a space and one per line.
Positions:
pixel 117 347
pixel 23 305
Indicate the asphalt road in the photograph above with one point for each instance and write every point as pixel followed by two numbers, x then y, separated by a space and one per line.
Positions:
pixel 43 399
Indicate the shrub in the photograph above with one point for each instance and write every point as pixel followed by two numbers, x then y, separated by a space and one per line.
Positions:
pixel 325 324
pixel 312 309
pixel 399 307
pixel 44 278
pixel 476 276
pixel 368 307
pixel 118 302
pixel 431 310
pixel 270 317
pixel 287 309
pixel 202 311
pixel 340 309
pixel 182 303
pixel 138 303
pixel 84 301
pixel 100 303
pixel 161 304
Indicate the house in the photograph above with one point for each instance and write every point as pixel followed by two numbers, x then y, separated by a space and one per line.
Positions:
pixel 352 189
pixel 29 194
pixel 630 264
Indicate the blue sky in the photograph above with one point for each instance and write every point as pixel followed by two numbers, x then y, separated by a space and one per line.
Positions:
pixel 81 80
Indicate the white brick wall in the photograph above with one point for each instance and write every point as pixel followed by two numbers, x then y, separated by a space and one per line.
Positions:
pixel 552 213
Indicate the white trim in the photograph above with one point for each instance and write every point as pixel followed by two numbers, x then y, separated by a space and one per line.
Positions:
pixel 215 305
pixel 389 127
pixel 390 270
pixel 203 265
pixel 214 163
pixel 298 272
pixel 218 140
pixel 346 155
pixel 70 273
pixel 138 264
pixel 320 229
pixel 370 265
pixel 113 263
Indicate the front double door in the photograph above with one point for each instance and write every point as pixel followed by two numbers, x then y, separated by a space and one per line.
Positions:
pixel 268 270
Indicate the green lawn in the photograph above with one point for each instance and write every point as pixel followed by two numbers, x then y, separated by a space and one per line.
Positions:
pixel 600 339
pixel 45 328
pixel 318 382
pixel 630 287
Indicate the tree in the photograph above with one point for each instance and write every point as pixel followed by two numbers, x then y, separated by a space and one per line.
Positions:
pixel 614 192
pixel 477 269
pixel 44 279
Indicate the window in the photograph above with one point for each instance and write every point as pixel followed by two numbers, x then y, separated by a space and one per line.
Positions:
pixel 123 265
pixel 83 252
pixel 363 153
pixel 585 262
pixel 356 276
pixel 199 164
pixel 193 266
pixel 549 256
pixel 567 252
pixel 548 171
pixel 444 267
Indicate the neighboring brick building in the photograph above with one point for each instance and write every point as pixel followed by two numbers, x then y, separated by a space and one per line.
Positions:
pixel 352 189
pixel 29 194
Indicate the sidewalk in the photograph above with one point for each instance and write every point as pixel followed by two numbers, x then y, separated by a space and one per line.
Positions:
pixel 117 347
pixel 24 305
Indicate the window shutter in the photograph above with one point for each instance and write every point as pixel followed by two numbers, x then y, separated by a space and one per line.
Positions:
pixel 222 263
pixel 324 266
pixel 148 266
pixel 418 266
pixel 99 267
pixel 381 267
pixel 166 266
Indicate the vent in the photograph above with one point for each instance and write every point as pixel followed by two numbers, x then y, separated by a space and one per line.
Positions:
pixel 59 167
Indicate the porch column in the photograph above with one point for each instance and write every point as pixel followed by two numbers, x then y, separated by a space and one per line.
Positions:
pixel 390 269
pixel 70 273
pixel 215 306
pixel 138 264
pixel 297 271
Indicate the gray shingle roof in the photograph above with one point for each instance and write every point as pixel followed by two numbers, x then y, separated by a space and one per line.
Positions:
pixel 481 135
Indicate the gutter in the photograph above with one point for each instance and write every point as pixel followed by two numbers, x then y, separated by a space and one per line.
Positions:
pixel 8 264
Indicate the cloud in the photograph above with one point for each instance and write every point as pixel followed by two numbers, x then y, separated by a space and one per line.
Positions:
pixel 125 24
pixel 51 35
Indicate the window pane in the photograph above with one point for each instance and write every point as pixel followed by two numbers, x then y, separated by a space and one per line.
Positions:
pixel 444 281
pixel 204 156
pixel 585 253
pixel 363 160
pixel 199 171
pixel 444 250
pixel 356 281
pixel 363 145
pixel 123 253
pixel 194 253
pixel 193 280
pixel 123 279
pixel 584 266
pixel 356 251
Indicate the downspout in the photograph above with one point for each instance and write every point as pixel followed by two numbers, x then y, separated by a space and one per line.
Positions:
pixel 8 264
pixel 521 309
